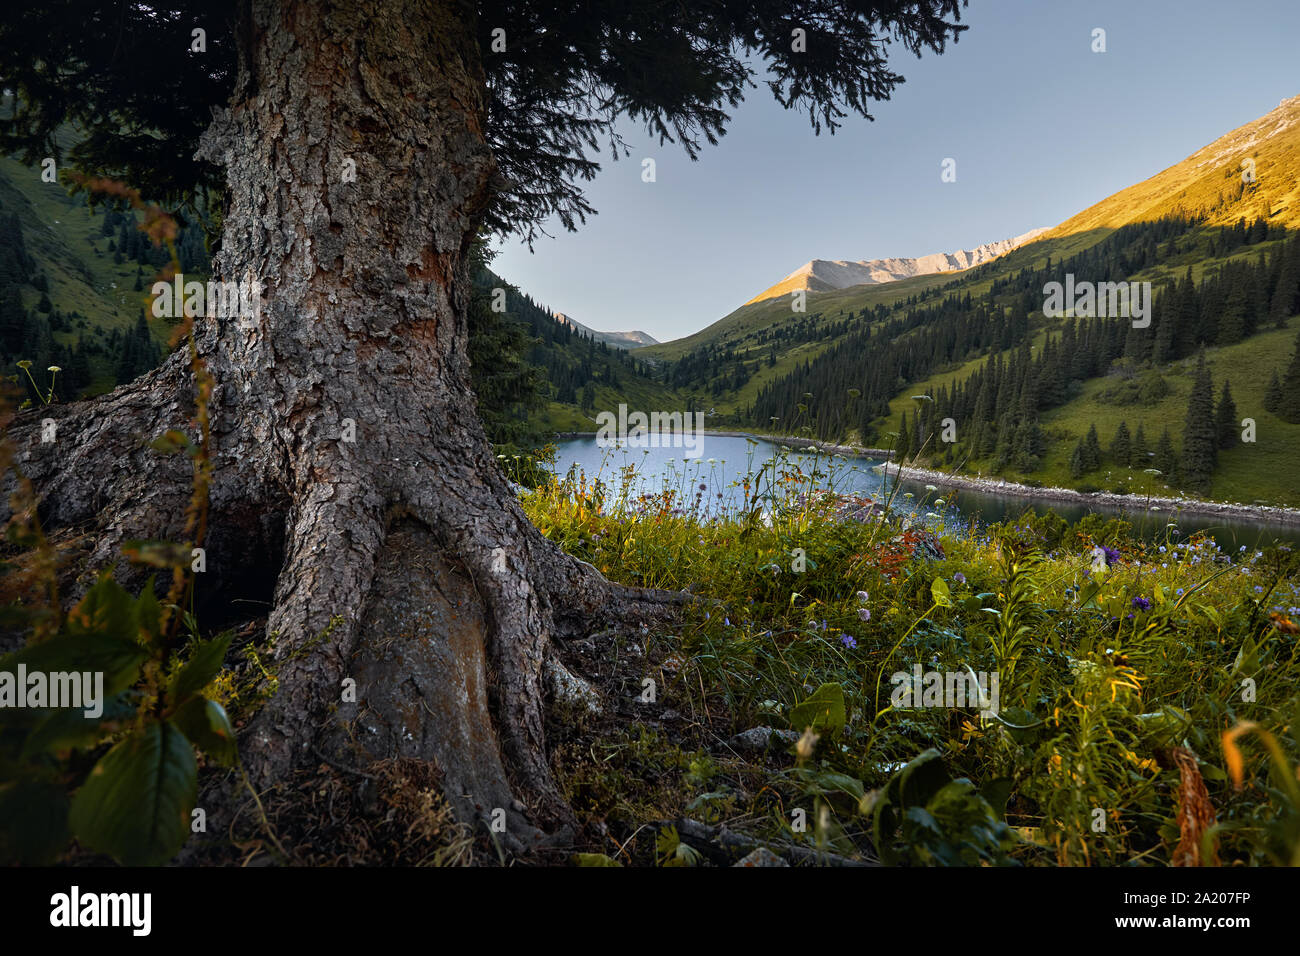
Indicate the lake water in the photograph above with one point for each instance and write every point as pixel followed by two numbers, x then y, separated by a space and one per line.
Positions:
pixel 713 480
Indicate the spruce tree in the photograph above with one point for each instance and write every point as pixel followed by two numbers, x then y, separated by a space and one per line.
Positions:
pixel 1140 457
pixel 1200 435
pixel 1225 418
pixel 1273 397
pixel 1091 450
pixel 903 447
pixel 1076 460
pixel 1166 458
pixel 1121 446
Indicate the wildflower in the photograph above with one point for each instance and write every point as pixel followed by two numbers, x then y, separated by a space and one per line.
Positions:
pixel 863 597
pixel 864 613
pixel 1142 604
pixel 1112 556
pixel 959 578
pixel 25 363
pixel 1284 624
pixel 848 641
pixel 54 368
pixel 1179 592
pixel 1259 589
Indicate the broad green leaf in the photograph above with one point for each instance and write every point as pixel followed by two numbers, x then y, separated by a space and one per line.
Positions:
pixel 106 610
pixel 997 792
pixel 203 665
pixel 206 725
pixel 135 805
pixel 70 727
pixel 941 592
pixel 117 659
pixel 823 711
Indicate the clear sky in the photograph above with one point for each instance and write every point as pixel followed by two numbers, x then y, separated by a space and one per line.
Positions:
pixel 1041 127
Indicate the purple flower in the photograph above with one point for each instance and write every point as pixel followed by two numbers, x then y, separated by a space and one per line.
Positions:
pixel 864 613
pixel 1112 556
pixel 959 578
pixel 1142 604
pixel 848 641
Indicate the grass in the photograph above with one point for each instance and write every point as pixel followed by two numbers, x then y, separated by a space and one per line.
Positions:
pixel 1249 473
pixel 63 237
pixel 1118 682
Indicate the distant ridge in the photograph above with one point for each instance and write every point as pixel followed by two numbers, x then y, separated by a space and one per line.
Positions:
pixel 620 340
pixel 822 275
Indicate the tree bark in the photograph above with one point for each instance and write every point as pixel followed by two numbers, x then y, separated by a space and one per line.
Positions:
pixel 405 562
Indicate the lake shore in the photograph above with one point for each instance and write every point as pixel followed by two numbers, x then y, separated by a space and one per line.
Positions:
pixel 1169 505
pixel 1272 514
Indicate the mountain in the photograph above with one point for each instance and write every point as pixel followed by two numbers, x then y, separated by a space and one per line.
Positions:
pixel 620 340
pixel 1212 182
pixel 822 275
pixel 887 363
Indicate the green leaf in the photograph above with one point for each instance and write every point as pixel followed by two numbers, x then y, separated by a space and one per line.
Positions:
pixel 135 805
pixel 824 711
pixel 997 792
pixel 149 614
pixel 941 592
pixel 70 727
pixel 206 725
pixel 203 665
pixel 119 660
pixel 594 859
pixel 107 610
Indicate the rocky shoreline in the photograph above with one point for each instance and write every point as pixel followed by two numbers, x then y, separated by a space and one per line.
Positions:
pixel 1134 503
pixel 1274 514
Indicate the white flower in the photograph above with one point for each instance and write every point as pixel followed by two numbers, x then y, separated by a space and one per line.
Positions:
pixel 864 597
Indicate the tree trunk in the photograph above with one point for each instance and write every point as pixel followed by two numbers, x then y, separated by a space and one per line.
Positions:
pixel 346 445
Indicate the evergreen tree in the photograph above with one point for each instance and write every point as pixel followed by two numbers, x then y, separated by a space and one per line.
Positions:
pixel 1166 458
pixel 1200 434
pixel 903 447
pixel 1273 397
pixel 1121 446
pixel 1091 450
pixel 1140 457
pixel 1225 418
pixel 1076 460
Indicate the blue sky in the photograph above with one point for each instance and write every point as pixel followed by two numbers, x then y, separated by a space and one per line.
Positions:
pixel 1040 126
